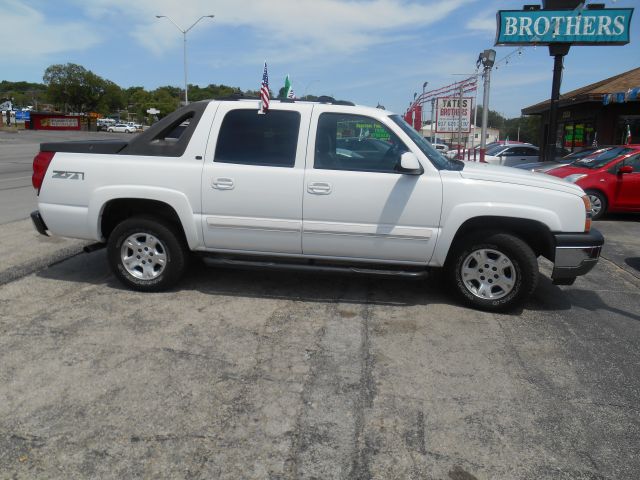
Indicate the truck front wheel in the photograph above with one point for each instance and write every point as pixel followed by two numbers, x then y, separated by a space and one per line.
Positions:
pixel 146 254
pixel 493 271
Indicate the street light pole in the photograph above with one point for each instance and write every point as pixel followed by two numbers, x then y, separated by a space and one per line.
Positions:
pixel 424 86
pixel 433 102
pixel 488 58
pixel 184 45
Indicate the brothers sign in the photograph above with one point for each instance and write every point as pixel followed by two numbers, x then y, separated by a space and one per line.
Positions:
pixel 608 26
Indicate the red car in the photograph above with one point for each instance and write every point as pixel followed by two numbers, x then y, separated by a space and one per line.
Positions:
pixel 611 178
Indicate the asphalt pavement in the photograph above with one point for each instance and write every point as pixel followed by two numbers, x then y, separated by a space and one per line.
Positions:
pixel 270 375
pixel 17 149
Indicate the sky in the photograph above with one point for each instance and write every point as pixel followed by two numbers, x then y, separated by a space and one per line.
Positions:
pixel 368 51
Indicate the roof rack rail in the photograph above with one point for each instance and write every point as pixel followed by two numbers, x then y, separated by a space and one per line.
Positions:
pixel 286 100
pixel 237 96
pixel 333 101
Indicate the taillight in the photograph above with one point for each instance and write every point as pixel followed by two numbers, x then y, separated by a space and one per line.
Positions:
pixel 40 164
pixel 587 214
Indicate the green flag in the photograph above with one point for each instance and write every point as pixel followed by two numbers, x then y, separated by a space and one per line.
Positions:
pixel 288 89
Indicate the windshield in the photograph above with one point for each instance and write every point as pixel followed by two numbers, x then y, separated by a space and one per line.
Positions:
pixel 439 161
pixel 495 150
pixel 601 157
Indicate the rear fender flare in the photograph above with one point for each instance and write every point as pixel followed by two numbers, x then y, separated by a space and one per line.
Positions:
pixel 175 199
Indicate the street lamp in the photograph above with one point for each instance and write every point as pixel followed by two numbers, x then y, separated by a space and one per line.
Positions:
pixel 487 59
pixel 184 36
pixel 424 85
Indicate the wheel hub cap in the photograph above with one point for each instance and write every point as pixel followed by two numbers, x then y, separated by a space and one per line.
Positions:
pixel 143 256
pixel 488 274
pixel 596 205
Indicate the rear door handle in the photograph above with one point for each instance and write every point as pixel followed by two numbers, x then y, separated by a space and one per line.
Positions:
pixel 222 184
pixel 319 188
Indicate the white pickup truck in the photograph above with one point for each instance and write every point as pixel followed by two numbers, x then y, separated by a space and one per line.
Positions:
pixel 322 185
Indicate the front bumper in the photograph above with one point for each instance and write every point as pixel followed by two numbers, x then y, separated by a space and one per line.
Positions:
pixel 38 223
pixel 575 255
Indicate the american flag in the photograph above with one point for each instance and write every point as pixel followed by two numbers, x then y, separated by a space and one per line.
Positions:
pixel 264 91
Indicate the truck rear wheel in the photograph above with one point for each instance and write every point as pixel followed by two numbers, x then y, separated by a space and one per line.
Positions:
pixel 493 271
pixel 146 254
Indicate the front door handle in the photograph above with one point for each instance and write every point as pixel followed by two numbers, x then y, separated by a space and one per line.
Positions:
pixel 319 188
pixel 222 184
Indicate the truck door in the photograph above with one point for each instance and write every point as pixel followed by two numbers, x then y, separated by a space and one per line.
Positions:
pixel 356 205
pixel 252 179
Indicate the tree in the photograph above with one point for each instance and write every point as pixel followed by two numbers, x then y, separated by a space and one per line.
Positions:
pixel 23 93
pixel 75 87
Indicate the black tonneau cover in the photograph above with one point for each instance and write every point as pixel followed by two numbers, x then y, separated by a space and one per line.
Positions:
pixel 85 146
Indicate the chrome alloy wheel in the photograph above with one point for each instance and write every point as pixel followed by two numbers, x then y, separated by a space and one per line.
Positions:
pixel 488 274
pixel 596 205
pixel 143 256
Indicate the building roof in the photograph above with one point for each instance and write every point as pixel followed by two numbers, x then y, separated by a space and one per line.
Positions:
pixel 590 93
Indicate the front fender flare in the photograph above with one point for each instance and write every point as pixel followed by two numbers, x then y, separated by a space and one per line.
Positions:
pixel 461 213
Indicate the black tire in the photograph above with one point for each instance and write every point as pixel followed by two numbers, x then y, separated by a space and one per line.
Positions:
pixel 598 204
pixel 518 274
pixel 166 254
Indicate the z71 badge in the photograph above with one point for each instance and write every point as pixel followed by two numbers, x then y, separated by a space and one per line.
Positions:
pixel 68 175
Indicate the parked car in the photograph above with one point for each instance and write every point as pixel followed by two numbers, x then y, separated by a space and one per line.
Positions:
pixel 121 128
pixel 137 126
pixel 294 190
pixel 475 152
pixel 611 178
pixel 441 147
pixel 511 155
pixel 543 167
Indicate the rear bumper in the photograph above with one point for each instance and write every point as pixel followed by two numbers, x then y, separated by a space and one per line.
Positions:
pixel 575 255
pixel 38 223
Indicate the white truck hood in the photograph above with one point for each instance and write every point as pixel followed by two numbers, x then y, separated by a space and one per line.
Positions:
pixel 497 173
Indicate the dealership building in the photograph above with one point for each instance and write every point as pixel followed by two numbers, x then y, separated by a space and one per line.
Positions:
pixel 604 113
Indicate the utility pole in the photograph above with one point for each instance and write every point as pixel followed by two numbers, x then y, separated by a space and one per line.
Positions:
pixel 460 119
pixel 424 86
pixel 487 58
pixel 433 103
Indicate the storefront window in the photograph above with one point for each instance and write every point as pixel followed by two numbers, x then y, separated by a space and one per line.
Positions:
pixel 577 135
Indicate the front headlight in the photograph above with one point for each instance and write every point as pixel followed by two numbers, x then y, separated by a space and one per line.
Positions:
pixel 575 177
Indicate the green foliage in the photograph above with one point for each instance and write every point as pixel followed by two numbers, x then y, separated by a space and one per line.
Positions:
pixel 529 126
pixel 24 93
pixel 74 87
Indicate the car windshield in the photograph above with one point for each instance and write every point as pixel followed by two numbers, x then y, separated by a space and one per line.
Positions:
pixel 495 150
pixel 439 161
pixel 601 157
pixel 581 154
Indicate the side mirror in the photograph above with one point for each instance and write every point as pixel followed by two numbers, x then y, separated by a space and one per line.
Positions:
pixel 625 169
pixel 409 164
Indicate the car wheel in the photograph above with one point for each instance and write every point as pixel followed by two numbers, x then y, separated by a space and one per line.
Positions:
pixel 493 271
pixel 598 204
pixel 110 130
pixel 147 254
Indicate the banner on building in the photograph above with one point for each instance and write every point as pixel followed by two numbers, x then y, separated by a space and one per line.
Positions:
pixel 452 112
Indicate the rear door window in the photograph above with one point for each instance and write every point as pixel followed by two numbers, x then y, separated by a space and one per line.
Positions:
pixel 249 138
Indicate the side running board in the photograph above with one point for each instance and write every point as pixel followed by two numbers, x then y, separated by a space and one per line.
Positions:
pixel 306 267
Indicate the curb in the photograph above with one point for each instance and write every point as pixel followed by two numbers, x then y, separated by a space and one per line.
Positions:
pixel 40 263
